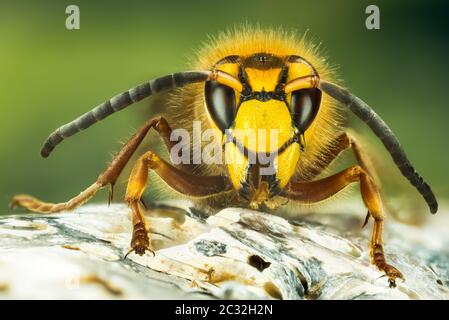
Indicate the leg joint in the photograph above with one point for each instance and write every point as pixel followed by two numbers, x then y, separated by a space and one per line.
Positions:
pixel 162 125
pixel 347 140
pixel 354 173
pixel 151 159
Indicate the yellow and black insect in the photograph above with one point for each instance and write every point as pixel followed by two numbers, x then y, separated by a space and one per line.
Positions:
pixel 248 79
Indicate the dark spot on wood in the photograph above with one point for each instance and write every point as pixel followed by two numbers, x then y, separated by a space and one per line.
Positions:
pixel 439 282
pixel 210 248
pixel 258 263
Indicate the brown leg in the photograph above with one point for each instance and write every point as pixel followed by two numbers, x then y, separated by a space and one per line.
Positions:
pixel 342 143
pixel 315 191
pixel 179 180
pixel 108 177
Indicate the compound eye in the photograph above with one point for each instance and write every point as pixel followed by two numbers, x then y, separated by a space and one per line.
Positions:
pixel 305 104
pixel 221 104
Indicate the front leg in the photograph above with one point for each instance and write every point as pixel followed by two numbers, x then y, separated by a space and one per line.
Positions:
pixel 319 190
pixel 179 180
pixel 107 177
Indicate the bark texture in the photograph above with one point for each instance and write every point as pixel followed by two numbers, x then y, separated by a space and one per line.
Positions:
pixel 235 254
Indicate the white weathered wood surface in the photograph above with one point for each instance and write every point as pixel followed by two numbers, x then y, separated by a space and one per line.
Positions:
pixel 236 253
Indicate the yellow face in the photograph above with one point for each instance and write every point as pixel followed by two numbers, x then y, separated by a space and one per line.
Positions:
pixel 261 131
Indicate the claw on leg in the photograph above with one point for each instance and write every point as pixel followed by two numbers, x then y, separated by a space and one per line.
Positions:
pixel 140 242
pixel 133 250
pixel 378 259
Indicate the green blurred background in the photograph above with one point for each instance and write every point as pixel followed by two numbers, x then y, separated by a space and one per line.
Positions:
pixel 49 75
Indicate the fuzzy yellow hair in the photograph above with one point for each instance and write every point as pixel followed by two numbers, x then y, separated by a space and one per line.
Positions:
pixel 187 104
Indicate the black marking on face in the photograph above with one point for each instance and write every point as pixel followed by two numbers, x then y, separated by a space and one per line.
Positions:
pixel 249 153
pixel 283 75
pixel 263 61
pixel 263 96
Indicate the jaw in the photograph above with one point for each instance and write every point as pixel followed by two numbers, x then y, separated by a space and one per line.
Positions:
pixel 259 178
